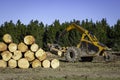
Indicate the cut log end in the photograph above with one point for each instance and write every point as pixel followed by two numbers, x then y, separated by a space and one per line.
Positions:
pixel 55 63
pixel 23 63
pixel 12 47
pixel 3 46
pixel 46 64
pixel 29 39
pixel 36 63
pixel 7 38
pixel 3 64
pixel 6 55
pixel 12 63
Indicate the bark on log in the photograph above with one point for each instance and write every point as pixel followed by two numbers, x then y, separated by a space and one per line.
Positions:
pixel 17 55
pixel 23 63
pixel 29 39
pixel 6 55
pixel 12 47
pixel 40 54
pixel 55 63
pixel 3 46
pixel 12 63
pixel 36 63
pixel 7 38
pixel 34 47
pixel 3 64
pixel 22 47
pixel 29 55
pixel 46 64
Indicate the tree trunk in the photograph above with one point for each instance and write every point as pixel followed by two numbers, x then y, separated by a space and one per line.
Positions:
pixel 23 63
pixel 12 47
pixel 12 63
pixel 3 46
pixel 55 63
pixel 6 55
pixel 3 64
pixel 22 47
pixel 7 38
pixel 46 64
pixel 29 55
pixel 36 63
pixel 34 47
pixel 29 39
pixel 17 55
pixel 40 54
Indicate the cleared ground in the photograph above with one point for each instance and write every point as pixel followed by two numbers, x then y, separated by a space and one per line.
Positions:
pixel 66 71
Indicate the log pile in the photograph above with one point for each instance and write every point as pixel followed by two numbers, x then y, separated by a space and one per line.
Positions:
pixel 26 54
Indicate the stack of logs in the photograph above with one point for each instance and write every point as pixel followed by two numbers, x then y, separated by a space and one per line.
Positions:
pixel 24 55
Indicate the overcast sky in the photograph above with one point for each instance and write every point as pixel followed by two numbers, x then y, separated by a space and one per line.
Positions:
pixel 64 10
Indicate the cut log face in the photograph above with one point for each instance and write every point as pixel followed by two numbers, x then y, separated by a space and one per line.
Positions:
pixel 3 64
pixel 17 55
pixel 12 63
pixel 36 63
pixel 23 63
pixel 55 63
pixel 29 39
pixel 34 47
pixel 3 46
pixel 46 64
pixel 12 47
pixel 40 54
pixel 7 38
pixel 6 55
pixel 22 47
pixel 29 55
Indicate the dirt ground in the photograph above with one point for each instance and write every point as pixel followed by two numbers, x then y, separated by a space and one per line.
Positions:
pixel 66 71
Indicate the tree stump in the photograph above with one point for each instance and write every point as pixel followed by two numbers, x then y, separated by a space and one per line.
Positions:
pixel 46 64
pixel 23 63
pixel 34 47
pixel 29 55
pixel 17 55
pixel 29 39
pixel 12 63
pixel 40 54
pixel 3 46
pixel 6 55
pixel 22 47
pixel 3 64
pixel 36 63
pixel 12 47
pixel 7 38
pixel 55 63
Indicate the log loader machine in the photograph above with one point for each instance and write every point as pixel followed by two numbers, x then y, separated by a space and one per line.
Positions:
pixel 88 48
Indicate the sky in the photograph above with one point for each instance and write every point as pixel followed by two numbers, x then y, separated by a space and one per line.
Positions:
pixel 47 11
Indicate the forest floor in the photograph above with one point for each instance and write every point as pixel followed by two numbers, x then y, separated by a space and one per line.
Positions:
pixel 66 71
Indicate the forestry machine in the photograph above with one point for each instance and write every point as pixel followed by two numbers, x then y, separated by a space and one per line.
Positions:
pixel 87 49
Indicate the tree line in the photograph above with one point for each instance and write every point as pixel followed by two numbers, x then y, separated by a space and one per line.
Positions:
pixel 43 33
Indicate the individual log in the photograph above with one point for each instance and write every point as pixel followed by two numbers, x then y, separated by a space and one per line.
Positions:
pixel 34 47
pixel 29 55
pixel 29 39
pixel 12 63
pixel 7 38
pixel 55 63
pixel 12 47
pixel 23 63
pixel 3 46
pixel 22 47
pixel 40 54
pixel 36 63
pixel 6 55
pixel 17 55
pixel 46 64
pixel 3 64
